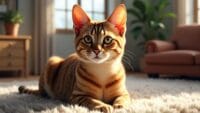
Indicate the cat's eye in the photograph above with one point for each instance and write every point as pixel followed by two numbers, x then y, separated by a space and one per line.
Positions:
pixel 87 39
pixel 107 40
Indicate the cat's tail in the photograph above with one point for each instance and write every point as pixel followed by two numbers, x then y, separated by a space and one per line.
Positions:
pixel 24 90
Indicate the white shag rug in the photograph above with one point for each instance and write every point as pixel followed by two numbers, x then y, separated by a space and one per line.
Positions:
pixel 148 96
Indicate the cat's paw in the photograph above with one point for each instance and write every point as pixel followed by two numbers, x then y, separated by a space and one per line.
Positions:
pixel 104 108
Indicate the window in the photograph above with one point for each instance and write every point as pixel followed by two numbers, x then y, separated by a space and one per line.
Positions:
pixel 196 11
pixel 96 9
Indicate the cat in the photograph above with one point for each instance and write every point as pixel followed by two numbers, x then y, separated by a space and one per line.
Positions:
pixel 94 75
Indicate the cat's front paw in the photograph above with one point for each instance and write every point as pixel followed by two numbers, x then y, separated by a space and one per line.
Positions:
pixel 104 108
pixel 121 102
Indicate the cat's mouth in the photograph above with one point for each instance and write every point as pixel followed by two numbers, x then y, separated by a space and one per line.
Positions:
pixel 96 58
pixel 99 59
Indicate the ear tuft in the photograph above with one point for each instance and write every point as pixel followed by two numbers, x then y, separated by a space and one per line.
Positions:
pixel 118 18
pixel 79 18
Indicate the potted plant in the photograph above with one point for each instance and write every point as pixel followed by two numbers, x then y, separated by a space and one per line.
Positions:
pixel 149 18
pixel 12 20
pixel 149 21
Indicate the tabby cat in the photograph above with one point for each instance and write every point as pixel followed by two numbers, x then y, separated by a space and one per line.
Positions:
pixel 94 76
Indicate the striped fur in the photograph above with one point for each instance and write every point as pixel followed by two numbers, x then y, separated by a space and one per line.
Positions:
pixel 93 76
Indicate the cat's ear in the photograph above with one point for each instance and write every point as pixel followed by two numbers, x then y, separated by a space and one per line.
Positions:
pixel 79 18
pixel 118 18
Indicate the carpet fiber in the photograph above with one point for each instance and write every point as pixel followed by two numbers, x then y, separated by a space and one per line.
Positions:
pixel 148 96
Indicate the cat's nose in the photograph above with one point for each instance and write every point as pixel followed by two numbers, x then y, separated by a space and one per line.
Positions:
pixel 96 51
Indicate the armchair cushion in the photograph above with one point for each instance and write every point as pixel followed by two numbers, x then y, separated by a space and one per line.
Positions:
pixel 187 37
pixel 197 59
pixel 154 46
pixel 175 57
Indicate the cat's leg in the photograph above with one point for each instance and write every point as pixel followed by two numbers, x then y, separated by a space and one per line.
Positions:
pixel 47 76
pixel 92 104
pixel 121 101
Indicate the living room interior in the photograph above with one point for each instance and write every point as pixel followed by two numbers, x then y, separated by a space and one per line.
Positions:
pixel 162 55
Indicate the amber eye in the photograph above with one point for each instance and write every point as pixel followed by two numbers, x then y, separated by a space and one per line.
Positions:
pixel 87 39
pixel 107 40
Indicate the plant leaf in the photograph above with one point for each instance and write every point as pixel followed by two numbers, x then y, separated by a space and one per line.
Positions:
pixel 150 12
pixel 169 15
pixel 140 5
pixel 162 4
pixel 12 16
pixel 161 36
pixel 135 22
pixel 146 37
pixel 161 25
pixel 137 31
pixel 135 13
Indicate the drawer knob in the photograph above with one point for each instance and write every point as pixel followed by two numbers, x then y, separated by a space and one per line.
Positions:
pixel 9 54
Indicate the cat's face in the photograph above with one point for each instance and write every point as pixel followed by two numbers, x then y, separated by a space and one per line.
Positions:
pixel 99 42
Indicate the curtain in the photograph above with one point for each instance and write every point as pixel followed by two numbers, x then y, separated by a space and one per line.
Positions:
pixel 43 33
pixel 185 11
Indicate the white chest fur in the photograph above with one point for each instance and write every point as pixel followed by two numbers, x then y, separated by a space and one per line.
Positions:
pixel 104 71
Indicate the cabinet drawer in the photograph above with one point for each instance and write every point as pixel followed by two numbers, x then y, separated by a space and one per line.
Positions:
pixel 9 63
pixel 12 53
pixel 11 44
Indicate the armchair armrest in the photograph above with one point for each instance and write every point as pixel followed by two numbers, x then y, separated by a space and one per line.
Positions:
pixel 159 46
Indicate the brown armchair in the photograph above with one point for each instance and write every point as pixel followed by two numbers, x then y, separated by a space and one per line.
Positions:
pixel 178 56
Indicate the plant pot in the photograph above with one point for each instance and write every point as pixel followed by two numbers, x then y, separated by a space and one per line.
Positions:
pixel 12 29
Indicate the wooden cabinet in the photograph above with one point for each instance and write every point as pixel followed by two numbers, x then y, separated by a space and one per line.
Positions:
pixel 14 53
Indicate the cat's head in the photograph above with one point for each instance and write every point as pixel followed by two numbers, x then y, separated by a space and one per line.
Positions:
pixel 99 42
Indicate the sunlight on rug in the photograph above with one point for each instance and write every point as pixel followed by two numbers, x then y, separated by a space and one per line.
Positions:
pixel 148 96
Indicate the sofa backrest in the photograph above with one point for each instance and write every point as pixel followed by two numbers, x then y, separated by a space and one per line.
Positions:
pixel 187 37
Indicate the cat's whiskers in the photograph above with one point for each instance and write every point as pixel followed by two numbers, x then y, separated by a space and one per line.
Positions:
pixel 130 54
pixel 127 62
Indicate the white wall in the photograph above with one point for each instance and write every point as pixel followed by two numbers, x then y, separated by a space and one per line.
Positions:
pixel 63 44
pixel 26 9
